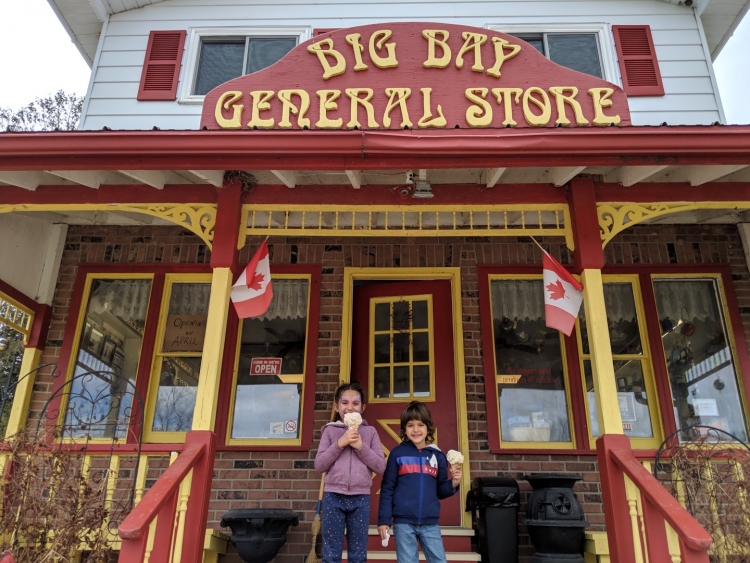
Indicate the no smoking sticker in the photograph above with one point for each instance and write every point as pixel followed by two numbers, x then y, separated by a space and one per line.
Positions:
pixel 290 426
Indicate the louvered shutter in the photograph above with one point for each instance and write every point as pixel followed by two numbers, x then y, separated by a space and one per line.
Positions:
pixel 161 69
pixel 322 30
pixel 637 57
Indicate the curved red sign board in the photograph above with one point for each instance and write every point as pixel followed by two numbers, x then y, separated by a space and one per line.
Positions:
pixel 414 76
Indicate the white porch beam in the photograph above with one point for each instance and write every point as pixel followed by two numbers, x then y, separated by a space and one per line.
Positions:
pixel 355 177
pixel 88 178
pixel 631 175
pixel 287 177
pixel 213 177
pixel 154 178
pixel 493 175
pixel 26 180
pixel 564 174
pixel 698 175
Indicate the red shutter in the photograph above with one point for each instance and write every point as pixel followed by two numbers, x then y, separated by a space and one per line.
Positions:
pixel 322 30
pixel 161 69
pixel 637 57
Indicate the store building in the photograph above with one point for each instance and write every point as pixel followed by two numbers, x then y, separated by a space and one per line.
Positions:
pixel 399 158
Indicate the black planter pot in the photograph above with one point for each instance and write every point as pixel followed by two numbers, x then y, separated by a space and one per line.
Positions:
pixel 555 519
pixel 259 533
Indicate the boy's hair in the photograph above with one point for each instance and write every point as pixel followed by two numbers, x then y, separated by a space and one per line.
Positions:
pixel 351 386
pixel 417 411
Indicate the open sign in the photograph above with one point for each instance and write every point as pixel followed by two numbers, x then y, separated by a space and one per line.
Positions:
pixel 265 366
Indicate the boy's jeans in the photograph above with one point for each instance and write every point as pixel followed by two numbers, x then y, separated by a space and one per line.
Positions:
pixel 406 536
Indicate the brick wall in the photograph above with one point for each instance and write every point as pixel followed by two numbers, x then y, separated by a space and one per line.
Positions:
pixel 288 479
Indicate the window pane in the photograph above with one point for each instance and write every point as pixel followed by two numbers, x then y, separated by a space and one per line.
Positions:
pixel 401 315
pixel 175 400
pixel 185 328
pixel 701 369
pixel 535 41
pixel 528 359
pixel 421 343
pixel 421 381
pixel 266 406
pixel 576 51
pixel 264 52
pixel 219 62
pixel 419 314
pixel 382 348
pixel 631 396
pixel 401 381
pixel 382 382
pixel 622 320
pixel 110 347
pixel 382 316
pixel 400 348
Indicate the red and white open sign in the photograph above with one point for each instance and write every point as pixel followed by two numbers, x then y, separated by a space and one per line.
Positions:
pixel 265 366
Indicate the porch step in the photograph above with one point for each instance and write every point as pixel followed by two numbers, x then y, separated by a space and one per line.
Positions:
pixel 457 542
pixel 596 548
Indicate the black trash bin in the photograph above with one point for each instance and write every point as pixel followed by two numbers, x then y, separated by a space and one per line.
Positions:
pixel 493 503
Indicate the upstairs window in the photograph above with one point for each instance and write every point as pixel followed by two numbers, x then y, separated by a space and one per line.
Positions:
pixel 576 51
pixel 216 56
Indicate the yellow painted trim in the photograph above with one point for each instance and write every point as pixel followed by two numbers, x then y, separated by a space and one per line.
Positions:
pixel 85 296
pixel 23 327
pixel 156 436
pixel 717 278
pixel 179 526
pixel 198 218
pixel 204 416
pixel 19 410
pixel 410 363
pixel 569 407
pixel 242 236
pixel 289 378
pixel 616 217
pixel 645 358
pixel 140 478
pixel 452 274
pixel 610 421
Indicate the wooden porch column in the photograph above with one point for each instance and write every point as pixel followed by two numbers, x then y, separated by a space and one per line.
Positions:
pixel 223 261
pixel 589 261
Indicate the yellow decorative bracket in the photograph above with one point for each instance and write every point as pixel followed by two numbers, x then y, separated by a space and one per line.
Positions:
pixel 199 219
pixel 616 217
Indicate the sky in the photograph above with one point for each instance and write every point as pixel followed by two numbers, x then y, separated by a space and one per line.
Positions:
pixel 54 63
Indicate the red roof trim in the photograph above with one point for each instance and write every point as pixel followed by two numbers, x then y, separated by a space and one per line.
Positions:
pixel 371 150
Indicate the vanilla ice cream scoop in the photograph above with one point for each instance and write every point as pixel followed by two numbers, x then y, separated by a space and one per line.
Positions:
pixel 353 420
pixel 454 457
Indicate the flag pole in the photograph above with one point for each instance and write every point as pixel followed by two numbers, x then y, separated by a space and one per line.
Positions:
pixel 539 245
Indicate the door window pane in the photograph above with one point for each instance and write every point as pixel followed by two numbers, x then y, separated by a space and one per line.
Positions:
pixel 702 371
pixel 267 401
pixel 622 320
pixel 109 351
pixel 175 400
pixel 529 365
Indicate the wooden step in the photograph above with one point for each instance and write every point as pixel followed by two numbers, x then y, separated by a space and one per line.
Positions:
pixel 457 542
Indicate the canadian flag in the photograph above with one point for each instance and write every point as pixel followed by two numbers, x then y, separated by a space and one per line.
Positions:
pixel 562 296
pixel 252 293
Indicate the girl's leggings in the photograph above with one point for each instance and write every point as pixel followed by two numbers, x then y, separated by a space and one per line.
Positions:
pixel 350 512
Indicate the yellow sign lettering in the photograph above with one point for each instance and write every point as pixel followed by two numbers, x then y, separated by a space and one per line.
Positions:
pixel 601 100
pixel 325 49
pixel 500 45
pixel 427 120
pixel 432 42
pixel 397 97
pixel 225 101
pixel 377 40
pixel 543 104
pixel 505 96
pixel 353 40
pixel 328 103
pixel 353 94
pixel 561 99
pixel 472 42
pixel 288 108
pixel 480 114
pixel 261 99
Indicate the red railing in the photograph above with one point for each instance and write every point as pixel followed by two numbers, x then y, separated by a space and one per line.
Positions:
pixel 162 501
pixel 658 510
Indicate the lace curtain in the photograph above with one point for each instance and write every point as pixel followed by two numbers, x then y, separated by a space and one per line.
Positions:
pixel 126 299
pixel 687 300
pixel 189 299
pixel 517 299
pixel 289 300
pixel 618 298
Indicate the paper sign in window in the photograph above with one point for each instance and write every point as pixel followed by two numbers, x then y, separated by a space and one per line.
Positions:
pixel 184 333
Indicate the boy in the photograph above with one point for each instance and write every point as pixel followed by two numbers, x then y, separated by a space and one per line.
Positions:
pixel 416 477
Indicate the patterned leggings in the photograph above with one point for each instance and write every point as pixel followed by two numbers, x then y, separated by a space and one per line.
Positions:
pixel 350 512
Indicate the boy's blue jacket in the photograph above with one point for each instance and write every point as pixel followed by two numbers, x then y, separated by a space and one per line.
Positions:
pixel 413 482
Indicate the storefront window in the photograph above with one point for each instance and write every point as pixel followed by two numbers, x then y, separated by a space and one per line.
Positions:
pixel 529 366
pixel 109 350
pixel 177 364
pixel 635 390
pixel 702 372
pixel 267 403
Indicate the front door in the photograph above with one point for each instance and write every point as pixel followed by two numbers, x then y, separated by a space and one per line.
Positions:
pixel 403 351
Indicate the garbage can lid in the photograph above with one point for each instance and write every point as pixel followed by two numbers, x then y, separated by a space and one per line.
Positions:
pixel 485 482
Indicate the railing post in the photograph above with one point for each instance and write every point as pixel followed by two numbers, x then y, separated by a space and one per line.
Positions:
pixel 616 508
pixel 200 494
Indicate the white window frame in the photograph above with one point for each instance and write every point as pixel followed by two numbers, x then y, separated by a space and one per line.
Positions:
pixel 603 31
pixel 196 35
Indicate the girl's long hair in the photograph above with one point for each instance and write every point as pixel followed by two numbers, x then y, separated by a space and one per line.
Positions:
pixel 418 411
pixel 351 386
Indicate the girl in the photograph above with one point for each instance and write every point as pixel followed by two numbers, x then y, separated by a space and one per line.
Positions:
pixel 417 477
pixel 348 456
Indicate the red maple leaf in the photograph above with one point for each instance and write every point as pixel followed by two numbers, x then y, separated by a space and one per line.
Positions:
pixel 556 290
pixel 257 282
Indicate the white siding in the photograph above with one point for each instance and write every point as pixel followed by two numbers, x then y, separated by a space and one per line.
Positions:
pixel 689 96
